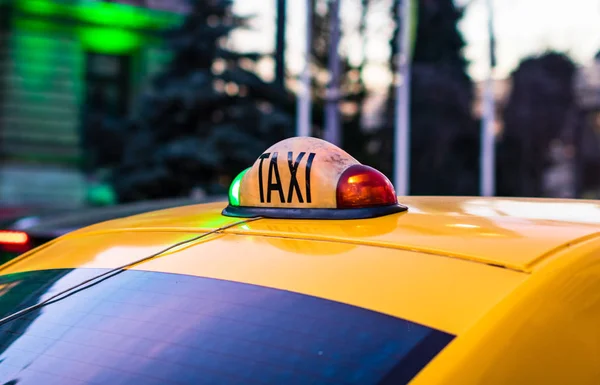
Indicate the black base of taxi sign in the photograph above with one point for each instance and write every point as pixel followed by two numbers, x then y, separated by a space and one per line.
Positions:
pixel 293 213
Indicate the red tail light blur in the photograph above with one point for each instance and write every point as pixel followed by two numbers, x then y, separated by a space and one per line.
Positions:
pixel 14 241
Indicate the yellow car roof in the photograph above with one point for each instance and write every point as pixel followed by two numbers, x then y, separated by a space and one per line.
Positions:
pixel 444 263
pixel 512 233
pixel 314 267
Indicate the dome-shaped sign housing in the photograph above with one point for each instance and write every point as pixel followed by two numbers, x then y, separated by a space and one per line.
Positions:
pixel 309 178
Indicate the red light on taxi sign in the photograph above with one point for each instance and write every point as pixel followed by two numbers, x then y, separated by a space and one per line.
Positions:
pixel 363 186
pixel 309 178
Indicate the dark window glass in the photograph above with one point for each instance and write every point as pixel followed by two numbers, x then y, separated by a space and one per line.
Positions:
pixel 108 88
pixel 155 328
pixel 108 80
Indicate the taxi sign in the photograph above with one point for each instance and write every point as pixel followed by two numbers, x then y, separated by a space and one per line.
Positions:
pixel 309 178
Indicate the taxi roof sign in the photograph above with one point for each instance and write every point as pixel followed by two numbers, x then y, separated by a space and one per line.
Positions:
pixel 309 178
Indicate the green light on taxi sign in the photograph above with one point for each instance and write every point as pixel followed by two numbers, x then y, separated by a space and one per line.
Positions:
pixel 234 188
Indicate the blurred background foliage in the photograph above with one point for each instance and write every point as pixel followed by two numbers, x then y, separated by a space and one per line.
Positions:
pixel 444 132
pixel 208 112
pixel 206 117
pixel 540 109
pixel 209 116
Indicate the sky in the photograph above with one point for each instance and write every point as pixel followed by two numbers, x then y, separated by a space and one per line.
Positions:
pixel 523 28
pixel 529 27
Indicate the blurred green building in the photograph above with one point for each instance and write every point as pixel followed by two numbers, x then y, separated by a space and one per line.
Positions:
pixel 59 59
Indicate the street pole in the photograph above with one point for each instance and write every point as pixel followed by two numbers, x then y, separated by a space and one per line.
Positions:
pixel 332 115
pixel 402 121
pixel 280 44
pixel 303 116
pixel 488 171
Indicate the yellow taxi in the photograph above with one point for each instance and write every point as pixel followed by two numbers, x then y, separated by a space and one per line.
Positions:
pixel 314 272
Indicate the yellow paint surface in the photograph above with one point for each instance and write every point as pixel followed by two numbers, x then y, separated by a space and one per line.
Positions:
pixel 515 233
pixel 517 280
pixel 445 293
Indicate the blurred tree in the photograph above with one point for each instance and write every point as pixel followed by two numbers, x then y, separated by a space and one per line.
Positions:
pixel 352 87
pixel 538 110
pixel 207 117
pixel 444 134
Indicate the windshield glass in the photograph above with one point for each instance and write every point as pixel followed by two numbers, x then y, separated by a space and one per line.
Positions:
pixel 155 328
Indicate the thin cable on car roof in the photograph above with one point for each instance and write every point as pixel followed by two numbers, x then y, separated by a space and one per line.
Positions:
pixel 115 271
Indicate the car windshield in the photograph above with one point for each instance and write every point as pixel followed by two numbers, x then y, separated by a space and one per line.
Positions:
pixel 155 328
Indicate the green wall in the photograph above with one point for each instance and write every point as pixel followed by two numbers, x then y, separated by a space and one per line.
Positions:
pixel 42 69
